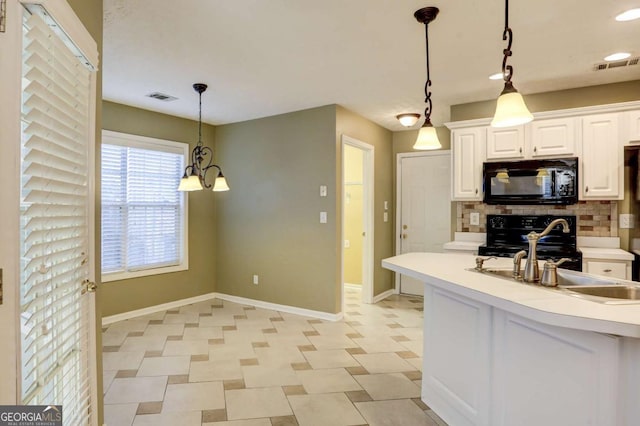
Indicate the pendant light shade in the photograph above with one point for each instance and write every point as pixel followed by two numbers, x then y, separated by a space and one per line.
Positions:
pixel 510 108
pixel 427 136
pixel 195 174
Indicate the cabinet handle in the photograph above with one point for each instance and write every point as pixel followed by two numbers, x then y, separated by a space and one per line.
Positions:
pixel 586 189
pixel 535 149
pixel 520 150
pixel 476 191
pixel 607 270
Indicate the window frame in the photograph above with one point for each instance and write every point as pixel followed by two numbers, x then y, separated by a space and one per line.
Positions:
pixel 143 142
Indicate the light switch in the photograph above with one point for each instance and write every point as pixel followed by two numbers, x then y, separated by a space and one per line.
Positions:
pixel 323 190
pixel 385 216
pixel 323 217
pixel 386 206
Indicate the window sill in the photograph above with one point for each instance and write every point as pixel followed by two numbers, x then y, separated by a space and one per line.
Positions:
pixel 119 276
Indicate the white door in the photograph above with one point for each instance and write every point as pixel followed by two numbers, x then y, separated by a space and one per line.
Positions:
pixel 424 186
pixel 48 137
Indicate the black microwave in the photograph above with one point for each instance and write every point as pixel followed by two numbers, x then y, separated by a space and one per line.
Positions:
pixel 552 181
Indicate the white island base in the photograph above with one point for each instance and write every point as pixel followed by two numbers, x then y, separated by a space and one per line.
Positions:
pixel 498 352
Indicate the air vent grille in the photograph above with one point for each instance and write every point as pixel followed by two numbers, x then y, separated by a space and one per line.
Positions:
pixel 616 64
pixel 161 97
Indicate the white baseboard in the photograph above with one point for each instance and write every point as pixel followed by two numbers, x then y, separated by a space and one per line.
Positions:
pixel 236 299
pixel 383 295
pixel 281 308
pixel 353 286
pixel 157 308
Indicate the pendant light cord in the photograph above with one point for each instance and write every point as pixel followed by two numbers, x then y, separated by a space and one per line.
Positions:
pixel 428 109
pixel 200 120
pixel 507 34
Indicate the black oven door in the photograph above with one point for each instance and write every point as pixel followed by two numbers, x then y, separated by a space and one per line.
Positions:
pixel 531 182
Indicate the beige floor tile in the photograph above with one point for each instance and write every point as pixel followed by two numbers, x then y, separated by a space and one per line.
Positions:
pixel 187 418
pixel 186 347
pixel 164 366
pixel 250 422
pixel 333 409
pixel 202 333
pixel 194 397
pixel 121 360
pixel 113 338
pixel 388 386
pixel 217 320
pixel 182 318
pixel 332 341
pixel 383 363
pixel 136 389
pixel 242 337
pixel 120 414
pixel 256 403
pixel 107 378
pixel 379 344
pixel 259 376
pixel 413 346
pixel 208 371
pixel 291 339
pixel 415 362
pixel 143 343
pixel 394 413
pixel 279 355
pixel 327 380
pixel 200 307
pixel 335 358
pixel 231 351
pixel 333 328
pixel 164 330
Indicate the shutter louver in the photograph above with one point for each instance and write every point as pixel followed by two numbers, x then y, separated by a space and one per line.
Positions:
pixel 54 235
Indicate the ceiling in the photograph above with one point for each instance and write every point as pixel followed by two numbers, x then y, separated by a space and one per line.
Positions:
pixel 262 58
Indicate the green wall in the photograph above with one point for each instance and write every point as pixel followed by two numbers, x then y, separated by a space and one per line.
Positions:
pixel 268 224
pixel 136 293
pixel 353 125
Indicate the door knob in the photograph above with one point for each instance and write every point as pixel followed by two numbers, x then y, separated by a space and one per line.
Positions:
pixel 88 287
pixel 404 227
pixel 404 236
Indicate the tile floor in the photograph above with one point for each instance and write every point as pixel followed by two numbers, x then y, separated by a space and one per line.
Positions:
pixel 226 364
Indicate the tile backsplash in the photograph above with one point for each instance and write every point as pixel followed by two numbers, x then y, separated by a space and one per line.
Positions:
pixel 595 218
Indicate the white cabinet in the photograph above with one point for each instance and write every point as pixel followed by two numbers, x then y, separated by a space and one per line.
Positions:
pixel 601 160
pixel 505 142
pixel 552 137
pixel 574 374
pixel 468 155
pixel 633 127
pixel 608 268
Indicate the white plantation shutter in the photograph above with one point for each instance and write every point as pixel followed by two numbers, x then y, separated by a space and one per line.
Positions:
pixel 54 217
pixel 143 214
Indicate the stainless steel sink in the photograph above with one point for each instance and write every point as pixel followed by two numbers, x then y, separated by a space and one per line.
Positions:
pixel 566 278
pixel 615 291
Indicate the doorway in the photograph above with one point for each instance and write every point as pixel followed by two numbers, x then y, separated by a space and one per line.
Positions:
pixel 357 217
pixel 424 208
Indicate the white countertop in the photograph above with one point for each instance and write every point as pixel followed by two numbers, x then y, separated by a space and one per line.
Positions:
pixel 605 253
pixel 544 305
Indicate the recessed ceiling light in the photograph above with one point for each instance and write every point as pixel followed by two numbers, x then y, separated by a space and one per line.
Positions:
pixel 629 15
pixel 617 56
pixel 496 76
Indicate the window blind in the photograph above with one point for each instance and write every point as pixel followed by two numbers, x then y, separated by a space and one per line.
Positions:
pixel 54 218
pixel 142 212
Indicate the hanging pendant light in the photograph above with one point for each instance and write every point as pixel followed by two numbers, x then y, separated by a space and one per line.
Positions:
pixel 427 136
pixel 510 109
pixel 195 174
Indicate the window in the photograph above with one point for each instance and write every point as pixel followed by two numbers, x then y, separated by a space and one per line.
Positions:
pixel 144 224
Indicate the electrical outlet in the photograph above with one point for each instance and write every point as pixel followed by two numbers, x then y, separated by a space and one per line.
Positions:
pixel 474 218
pixel 347 243
pixel 626 221
pixel 255 279
pixel 323 190
pixel 323 217
pixel 385 217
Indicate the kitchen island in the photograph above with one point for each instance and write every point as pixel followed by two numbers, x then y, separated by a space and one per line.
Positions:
pixel 499 352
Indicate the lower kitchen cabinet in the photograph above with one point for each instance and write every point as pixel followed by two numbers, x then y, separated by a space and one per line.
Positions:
pixel 485 366
pixel 608 268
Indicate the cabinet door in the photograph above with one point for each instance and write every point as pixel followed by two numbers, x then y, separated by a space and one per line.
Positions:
pixel 505 142
pixel 468 155
pixel 548 375
pixel 601 171
pixel 608 269
pixel 633 135
pixel 553 137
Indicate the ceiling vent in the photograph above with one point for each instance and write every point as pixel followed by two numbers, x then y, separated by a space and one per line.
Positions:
pixel 616 64
pixel 161 97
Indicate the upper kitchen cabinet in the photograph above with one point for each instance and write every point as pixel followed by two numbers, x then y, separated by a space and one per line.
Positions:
pixel 633 127
pixel 468 154
pixel 552 137
pixel 505 142
pixel 601 158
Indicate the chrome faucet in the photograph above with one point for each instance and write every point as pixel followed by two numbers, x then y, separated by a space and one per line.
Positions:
pixel 531 271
